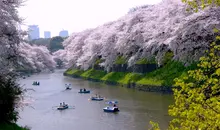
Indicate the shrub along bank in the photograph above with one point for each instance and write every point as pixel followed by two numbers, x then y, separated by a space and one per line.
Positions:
pixel 160 80
pixel 11 126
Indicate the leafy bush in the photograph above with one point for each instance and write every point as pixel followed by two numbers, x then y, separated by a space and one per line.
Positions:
pixel 94 74
pixel 12 126
pixel 120 60
pixel 10 95
pixel 167 57
pixel 98 61
pixel 56 44
pixel 164 76
pixel 146 61
pixel 197 103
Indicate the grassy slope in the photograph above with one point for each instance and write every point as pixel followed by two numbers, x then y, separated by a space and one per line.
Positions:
pixel 93 74
pixel 11 127
pixel 163 76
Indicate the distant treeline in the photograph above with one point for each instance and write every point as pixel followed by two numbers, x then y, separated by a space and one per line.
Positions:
pixel 53 44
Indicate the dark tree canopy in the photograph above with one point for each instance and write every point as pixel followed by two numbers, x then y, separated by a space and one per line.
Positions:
pixel 41 41
pixel 10 93
pixel 56 44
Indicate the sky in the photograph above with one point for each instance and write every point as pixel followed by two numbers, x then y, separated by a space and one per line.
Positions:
pixel 75 15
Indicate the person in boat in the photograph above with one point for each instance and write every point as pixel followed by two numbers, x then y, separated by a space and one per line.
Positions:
pixel 96 95
pixel 84 89
pixel 80 90
pixel 64 104
pixel 61 105
pixel 114 105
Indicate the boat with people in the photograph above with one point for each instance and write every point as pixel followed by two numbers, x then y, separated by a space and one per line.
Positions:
pixel 68 86
pixel 36 83
pixel 111 108
pixel 97 98
pixel 63 106
pixel 84 91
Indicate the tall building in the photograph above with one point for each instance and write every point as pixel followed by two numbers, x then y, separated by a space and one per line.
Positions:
pixel 47 34
pixel 33 32
pixel 64 33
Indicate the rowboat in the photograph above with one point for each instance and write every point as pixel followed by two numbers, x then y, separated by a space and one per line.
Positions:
pixel 113 108
pixel 97 98
pixel 110 109
pixel 63 107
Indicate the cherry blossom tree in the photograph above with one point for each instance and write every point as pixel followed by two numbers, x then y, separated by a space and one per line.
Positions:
pixel 147 32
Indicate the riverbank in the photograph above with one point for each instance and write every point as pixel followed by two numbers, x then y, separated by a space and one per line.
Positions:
pixel 159 80
pixel 12 126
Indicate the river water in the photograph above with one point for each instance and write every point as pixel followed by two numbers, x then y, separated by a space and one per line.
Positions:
pixel 136 108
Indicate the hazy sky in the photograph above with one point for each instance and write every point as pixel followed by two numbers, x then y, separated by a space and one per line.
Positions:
pixel 75 15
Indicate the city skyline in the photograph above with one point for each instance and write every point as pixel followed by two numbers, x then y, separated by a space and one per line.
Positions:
pixel 34 33
pixel 73 15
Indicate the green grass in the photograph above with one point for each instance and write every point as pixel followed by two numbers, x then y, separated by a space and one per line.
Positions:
pixel 142 61
pixel 130 78
pixel 145 61
pixel 163 76
pixel 12 126
pixel 122 77
pixel 74 72
pixel 120 60
pixel 113 76
pixel 167 57
pixel 77 72
pixel 94 74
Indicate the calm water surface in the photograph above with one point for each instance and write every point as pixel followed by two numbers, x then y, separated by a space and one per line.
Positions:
pixel 136 108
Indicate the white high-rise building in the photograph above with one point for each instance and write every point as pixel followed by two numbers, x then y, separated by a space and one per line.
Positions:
pixel 47 34
pixel 33 32
pixel 64 33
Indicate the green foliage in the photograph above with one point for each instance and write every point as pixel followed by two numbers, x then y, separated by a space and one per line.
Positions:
pixel 197 103
pixel 122 77
pixel 10 94
pixel 146 61
pixel 154 125
pixel 167 57
pixel 164 76
pixel 161 77
pixel 130 78
pixel 41 41
pixel 113 76
pixel 12 126
pixel 98 61
pixel 141 61
pixel 215 30
pixel 56 44
pixel 120 60
pixel 200 4
pixel 77 72
pixel 94 74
